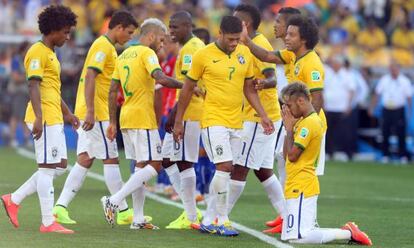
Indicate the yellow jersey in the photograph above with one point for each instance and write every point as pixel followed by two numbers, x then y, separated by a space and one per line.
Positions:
pixel 268 97
pixel 133 70
pixel 288 59
pixel 41 63
pixel 300 175
pixel 223 77
pixel 194 110
pixel 101 58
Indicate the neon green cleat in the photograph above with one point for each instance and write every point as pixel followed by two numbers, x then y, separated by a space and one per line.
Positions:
pixel 62 216
pixel 127 217
pixel 199 215
pixel 182 222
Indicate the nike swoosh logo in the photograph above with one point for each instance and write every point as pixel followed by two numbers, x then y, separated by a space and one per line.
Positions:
pixel 215 61
pixel 220 193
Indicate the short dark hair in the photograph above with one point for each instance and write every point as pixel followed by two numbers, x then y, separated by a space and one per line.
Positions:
pixel 124 18
pixel 308 30
pixel 296 89
pixel 55 18
pixel 203 34
pixel 289 11
pixel 253 12
pixel 231 25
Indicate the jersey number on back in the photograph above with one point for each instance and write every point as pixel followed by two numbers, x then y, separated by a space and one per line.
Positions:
pixel 127 93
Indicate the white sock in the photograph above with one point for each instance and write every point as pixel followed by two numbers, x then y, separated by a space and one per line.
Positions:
pixel 138 200
pixel 73 183
pixel 113 181
pixel 59 171
pixel 281 169
pixel 188 192
pixel 235 190
pixel 46 194
pixel 210 213
pixel 174 176
pixel 136 180
pixel 220 184
pixel 28 188
pixel 323 236
pixel 275 194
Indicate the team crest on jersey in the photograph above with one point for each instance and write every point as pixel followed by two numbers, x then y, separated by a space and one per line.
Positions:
pixel 315 76
pixel 54 152
pixel 100 56
pixel 296 70
pixel 241 59
pixel 159 148
pixel 304 133
pixel 219 150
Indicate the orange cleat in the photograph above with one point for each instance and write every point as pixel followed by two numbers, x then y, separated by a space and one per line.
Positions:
pixel 11 209
pixel 195 226
pixel 275 222
pixel 55 227
pixel 274 230
pixel 357 235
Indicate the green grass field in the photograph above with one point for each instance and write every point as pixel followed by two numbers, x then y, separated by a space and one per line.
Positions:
pixel 379 198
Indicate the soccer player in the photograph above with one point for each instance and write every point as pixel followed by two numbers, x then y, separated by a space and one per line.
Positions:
pixel 257 151
pixel 92 110
pixel 180 157
pixel 304 135
pixel 137 70
pixel 45 114
pixel 226 69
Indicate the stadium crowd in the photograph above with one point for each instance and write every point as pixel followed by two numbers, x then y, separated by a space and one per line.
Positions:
pixel 359 40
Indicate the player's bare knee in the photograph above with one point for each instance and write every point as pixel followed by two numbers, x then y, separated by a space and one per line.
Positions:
pixel 166 162
pixel 111 161
pixel 157 165
pixel 63 164
pixel 184 165
pixel 239 173
pixel 225 166
pixel 263 174
pixel 84 160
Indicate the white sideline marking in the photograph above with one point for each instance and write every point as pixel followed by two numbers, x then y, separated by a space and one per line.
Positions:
pixel 265 238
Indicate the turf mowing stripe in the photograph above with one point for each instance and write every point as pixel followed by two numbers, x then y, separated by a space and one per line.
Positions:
pixel 152 196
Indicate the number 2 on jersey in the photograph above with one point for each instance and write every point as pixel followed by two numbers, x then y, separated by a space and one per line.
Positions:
pixel 231 71
pixel 127 93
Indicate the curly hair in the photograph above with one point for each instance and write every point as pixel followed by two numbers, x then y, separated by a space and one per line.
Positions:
pixel 252 11
pixel 55 18
pixel 308 30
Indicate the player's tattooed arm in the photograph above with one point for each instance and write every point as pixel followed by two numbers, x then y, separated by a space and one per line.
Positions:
pixel 317 100
pixel 169 124
pixel 165 80
pixel 68 116
pixel 89 121
pixel 254 100
pixel 34 93
pixel 183 102
pixel 290 150
pixel 268 83
pixel 112 106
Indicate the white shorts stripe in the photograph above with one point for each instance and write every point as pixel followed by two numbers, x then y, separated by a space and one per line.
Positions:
pixel 251 144
pixel 104 140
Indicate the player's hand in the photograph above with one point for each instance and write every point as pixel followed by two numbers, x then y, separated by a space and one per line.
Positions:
pixel 288 120
pixel 198 92
pixel 178 131
pixel 244 38
pixel 169 124
pixel 73 120
pixel 111 132
pixel 37 128
pixel 259 84
pixel 267 125
pixel 89 121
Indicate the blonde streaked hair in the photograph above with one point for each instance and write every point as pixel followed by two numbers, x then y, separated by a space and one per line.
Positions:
pixel 152 24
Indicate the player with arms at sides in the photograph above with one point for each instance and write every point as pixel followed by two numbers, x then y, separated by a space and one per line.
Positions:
pixel 45 114
pixel 257 151
pixel 226 70
pixel 180 157
pixel 92 110
pixel 304 135
pixel 306 66
pixel 137 70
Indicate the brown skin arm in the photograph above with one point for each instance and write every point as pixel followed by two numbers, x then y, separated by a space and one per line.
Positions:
pixel 268 83
pixel 68 116
pixel 165 80
pixel 89 121
pixel 34 93
pixel 112 106
pixel 158 106
pixel 317 100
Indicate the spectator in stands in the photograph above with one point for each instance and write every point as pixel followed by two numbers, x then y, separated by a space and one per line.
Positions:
pixel 395 91
pixel 377 10
pixel 339 91
pixel 402 40
pixel 372 37
pixel 19 95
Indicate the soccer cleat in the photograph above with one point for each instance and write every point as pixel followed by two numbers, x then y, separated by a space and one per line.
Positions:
pixel 357 235
pixel 56 228
pixel 211 229
pixel 195 226
pixel 11 208
pixel 173 224
pixel 125 217
pixel 145 225
pixel 275 222
pixel 274 230
pixel 62 216
pixel 199 215
pixel 109 210
pixel 227 231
